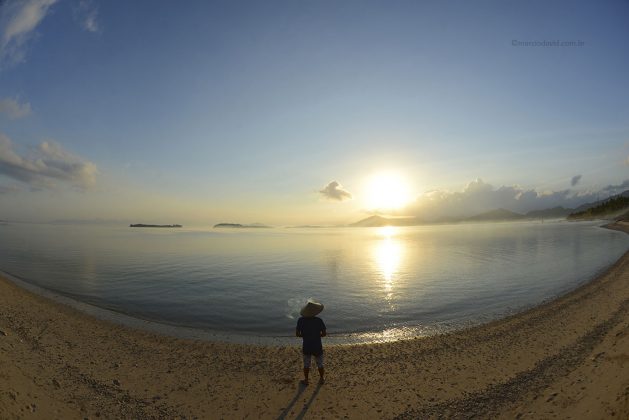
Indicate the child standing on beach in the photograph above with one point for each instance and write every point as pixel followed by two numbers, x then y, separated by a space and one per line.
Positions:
pixel 311 328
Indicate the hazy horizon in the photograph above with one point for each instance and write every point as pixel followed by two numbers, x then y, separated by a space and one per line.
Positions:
pixel 323 113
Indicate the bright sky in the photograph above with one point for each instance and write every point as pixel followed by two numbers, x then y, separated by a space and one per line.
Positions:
pixel 288 112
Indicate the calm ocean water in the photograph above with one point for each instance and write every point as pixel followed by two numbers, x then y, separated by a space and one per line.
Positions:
pixel 377 282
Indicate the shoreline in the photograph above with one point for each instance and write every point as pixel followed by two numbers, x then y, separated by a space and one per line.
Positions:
pixel 563 357
pixel 127 320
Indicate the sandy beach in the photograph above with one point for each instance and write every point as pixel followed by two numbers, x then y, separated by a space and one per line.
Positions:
pixel 568 358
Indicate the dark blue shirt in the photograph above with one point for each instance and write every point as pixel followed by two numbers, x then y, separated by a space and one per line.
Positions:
pixel 311 329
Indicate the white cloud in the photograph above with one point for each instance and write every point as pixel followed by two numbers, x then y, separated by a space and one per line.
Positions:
pixel 616 189
pixel 335 191
pixel 87 15
pixel 478 197
pixel 48 164
pixel 13 109
pixel 18 20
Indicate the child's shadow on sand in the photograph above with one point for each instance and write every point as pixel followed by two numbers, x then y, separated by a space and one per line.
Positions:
pixel 306 406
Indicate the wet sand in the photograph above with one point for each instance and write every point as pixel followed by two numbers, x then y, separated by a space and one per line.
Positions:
pixel 568 358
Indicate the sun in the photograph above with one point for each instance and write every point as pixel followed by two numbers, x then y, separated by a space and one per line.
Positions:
pixel 387 191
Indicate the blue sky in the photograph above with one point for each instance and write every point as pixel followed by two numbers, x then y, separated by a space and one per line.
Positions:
pixel 243 111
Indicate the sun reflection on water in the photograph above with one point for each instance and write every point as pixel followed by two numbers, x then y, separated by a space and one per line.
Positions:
pixel 388 253
pixel 387 231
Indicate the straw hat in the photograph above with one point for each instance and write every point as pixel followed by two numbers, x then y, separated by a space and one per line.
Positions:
pixel 311 309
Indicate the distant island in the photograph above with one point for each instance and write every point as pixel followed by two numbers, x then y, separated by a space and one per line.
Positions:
pixel 499 215
pixel 154 226
pixel 615 207
pixel 240 226
pixel 378 221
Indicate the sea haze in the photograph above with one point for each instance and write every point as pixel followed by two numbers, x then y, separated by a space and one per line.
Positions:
pixel 376 283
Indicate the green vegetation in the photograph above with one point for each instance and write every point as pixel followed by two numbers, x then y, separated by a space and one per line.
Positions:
pixel 238 225
pixel 611 206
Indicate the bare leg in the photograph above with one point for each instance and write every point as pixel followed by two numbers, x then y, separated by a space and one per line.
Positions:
pixel 321 372
pixel 306 372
